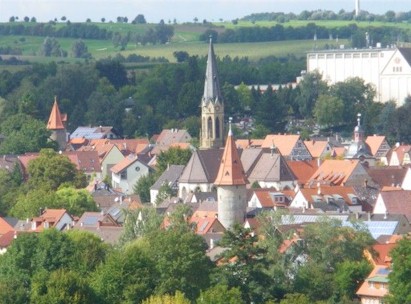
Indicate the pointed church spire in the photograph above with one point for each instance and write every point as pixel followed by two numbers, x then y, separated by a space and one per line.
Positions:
pixel 358 131
pixel 211 86
pixel 231 170
pixel 55 122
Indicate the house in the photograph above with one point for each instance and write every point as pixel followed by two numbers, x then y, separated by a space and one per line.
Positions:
pixel 327 198
pixel 270 170
pixel 379 147
pixel 303 169
pixel 52 218
pixel 94 133
pixel 127 172
pixel 399 155
pixel 375 286
pixel 292 147
pixel 383 224
pixel 317 148
pixel 394 202
pixel 87 162
pixel 5 226
pixel 168 137
pixel 267 198
pixel 101 224
pixel 169 177
pixel 109 154
pixel 389 176
pixel 340 173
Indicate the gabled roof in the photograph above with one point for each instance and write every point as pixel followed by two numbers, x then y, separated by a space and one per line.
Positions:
pixel 374 142
pixel 387 176
pixel 96 219
pixel 302 169
pixel 382 251
pixel 206 225
pixel 266 197
pixel 125 163
pixel 333 192
pixel 333 171
pixel 171 175
pixel 400 151
pixel 249 143
pixel 51 216
pixel 367 290
pixel 315 147
pixel 5 226
pixel 271 167
pixel 397 202
pixel 55 122
pixel 86 161
pixel 283 142
pixel 231 170
pixel 168 137
pixel 92 132
pixel 202 167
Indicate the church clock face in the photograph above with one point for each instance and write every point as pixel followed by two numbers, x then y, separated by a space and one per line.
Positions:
pixel 217 108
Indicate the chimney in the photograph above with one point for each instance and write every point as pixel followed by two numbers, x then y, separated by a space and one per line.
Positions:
pixel 369 216
pixel 211 243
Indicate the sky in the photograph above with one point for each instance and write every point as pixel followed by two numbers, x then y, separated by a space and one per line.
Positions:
pixel 181 10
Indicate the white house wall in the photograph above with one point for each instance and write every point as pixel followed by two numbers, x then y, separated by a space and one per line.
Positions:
pixel 379 207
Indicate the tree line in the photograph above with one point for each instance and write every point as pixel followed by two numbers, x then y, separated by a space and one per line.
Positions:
pixel 388 16
pixel 383 34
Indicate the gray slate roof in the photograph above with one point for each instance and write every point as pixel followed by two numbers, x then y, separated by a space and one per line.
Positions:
pixel 170 176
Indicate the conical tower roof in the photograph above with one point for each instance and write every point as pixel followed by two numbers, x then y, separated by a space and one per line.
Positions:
pixel 212 91
pixel 55 122
pixel 231 170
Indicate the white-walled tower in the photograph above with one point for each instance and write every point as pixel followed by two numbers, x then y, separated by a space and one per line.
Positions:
pixel 231 186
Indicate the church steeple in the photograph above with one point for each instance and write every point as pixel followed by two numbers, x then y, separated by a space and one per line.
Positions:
pixel 212 106
pixel 358 131
pixel 212 91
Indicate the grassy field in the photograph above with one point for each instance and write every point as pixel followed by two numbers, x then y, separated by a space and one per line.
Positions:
pixel 186 38
pixel 103 49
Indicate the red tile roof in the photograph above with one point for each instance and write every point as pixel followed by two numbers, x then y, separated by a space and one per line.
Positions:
pixel 5 227
pixel 316 147
pixel 55 122
pixel 374 142
pixel 231 170
pixel 334 171
pixel 283 142
pixel 303 170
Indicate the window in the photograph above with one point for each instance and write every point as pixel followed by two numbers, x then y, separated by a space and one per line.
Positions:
pixel 137 168
pixel 123 175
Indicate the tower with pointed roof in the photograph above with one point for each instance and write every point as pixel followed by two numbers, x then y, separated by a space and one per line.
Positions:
pixel 358 148
pixel 231 186
pixel 56 126
pixel 212 106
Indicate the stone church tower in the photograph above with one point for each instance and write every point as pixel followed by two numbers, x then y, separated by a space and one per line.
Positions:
pixel 231 186
pixel 212 106
pixel 57 128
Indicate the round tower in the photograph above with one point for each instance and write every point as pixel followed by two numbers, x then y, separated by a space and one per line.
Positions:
pixel 231 186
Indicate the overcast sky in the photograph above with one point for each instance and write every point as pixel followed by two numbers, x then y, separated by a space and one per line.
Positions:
pixel 181 10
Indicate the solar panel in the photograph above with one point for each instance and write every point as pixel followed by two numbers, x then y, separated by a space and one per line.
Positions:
pixel 383 271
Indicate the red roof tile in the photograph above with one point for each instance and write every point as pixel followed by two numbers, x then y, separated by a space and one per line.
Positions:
pixel 55 122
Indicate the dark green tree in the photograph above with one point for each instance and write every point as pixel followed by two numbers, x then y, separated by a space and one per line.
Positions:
pixel 243 265
pixel 220 294
pixel 400 285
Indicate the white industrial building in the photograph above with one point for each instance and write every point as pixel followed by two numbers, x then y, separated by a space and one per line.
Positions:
pixel 387 69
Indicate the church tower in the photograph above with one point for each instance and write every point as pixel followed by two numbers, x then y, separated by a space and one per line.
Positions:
pixel 212 106
pixel 231 186
pixel 56 126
